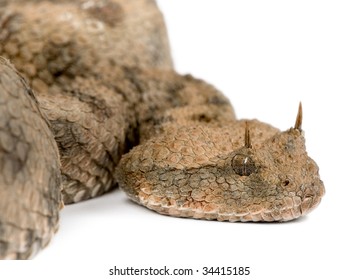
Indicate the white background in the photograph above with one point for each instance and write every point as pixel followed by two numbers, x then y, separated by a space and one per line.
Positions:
pixel 266 56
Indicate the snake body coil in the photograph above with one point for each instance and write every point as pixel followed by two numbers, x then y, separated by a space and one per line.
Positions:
pixel 105 91
pixel 29 168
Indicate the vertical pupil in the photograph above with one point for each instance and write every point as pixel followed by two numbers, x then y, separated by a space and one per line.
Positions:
pixel 243 165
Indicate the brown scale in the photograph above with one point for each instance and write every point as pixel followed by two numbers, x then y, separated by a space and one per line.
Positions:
pixel 242 171
pixel 102 73
pixel 93 83
pixel 30 187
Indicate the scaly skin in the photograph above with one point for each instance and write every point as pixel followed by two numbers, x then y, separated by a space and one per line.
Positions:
pixel 73 53
pixel 98 86
pixel 102 74
pixel 94 125
pixel 207 172
pixel 53 42
pixel 30 196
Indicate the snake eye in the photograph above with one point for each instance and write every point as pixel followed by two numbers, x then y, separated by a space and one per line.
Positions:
pixel 243 165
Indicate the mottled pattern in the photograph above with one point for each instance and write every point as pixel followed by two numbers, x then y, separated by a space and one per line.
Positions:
pixel 29 166
pixel 90 133
pixel 102 74
pixel 52 42
pixel 82 58
pixel 192 171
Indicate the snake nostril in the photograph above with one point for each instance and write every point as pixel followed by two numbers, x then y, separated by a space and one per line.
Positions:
pixel 285 183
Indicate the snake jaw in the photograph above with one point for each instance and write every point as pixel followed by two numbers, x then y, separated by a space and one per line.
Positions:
pixel 312 196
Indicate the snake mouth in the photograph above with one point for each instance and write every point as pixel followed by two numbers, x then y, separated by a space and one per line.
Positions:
pixel 291 209
pixel 309 203
pixel 270 209
pixel 294 208
pixel 312 198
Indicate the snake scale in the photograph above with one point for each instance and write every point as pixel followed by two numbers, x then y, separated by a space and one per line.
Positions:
pixel 89 101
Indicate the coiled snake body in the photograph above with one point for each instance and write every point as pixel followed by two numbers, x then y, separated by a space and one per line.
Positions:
pixel 100 82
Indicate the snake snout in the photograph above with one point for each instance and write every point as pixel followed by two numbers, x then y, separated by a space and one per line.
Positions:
pixel 312 197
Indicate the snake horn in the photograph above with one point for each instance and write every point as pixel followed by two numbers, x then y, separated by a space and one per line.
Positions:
pixel 298 123
pixel 247 136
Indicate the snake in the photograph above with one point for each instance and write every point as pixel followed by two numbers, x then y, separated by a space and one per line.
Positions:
pixel 90 101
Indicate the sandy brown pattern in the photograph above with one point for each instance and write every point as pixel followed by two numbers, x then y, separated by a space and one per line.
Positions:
pixel 104 83
pixel 196 171
pixel 29 168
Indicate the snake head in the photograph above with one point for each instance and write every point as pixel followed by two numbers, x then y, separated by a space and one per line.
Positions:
pixel 281 181
pixel 236 171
